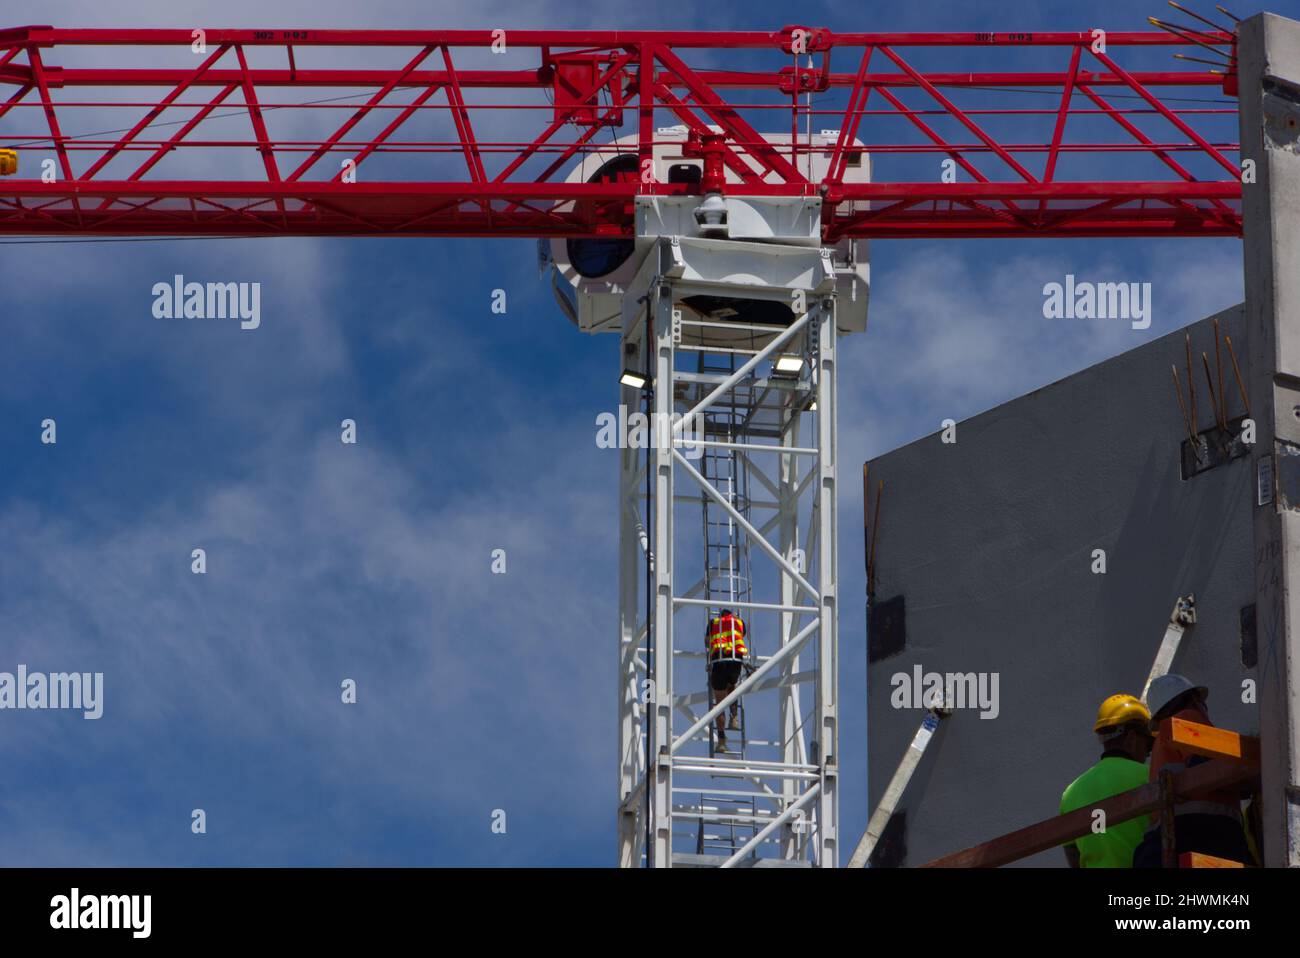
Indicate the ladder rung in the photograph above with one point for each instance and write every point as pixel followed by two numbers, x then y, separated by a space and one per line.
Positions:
pixel 722 793
pixel 766 766
pixel 721 818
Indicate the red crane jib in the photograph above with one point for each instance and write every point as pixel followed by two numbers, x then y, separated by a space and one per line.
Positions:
pixel 480 132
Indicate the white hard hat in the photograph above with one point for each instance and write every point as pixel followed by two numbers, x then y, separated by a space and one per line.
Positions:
pixel 1167 688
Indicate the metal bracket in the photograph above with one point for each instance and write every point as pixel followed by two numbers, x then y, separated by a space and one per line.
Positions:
pixel 1182 616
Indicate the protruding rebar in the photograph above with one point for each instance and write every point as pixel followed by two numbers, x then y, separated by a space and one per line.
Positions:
pixel 1214 402
pixel 1178 390
pixel 1193 13
pixel 1236 371
pixel 1218 366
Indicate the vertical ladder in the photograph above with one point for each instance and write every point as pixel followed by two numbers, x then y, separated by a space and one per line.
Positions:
pixel 726 581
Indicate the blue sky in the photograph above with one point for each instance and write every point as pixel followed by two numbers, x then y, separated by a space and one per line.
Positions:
pixel 476 432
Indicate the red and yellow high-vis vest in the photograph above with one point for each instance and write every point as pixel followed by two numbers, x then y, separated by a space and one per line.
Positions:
pixel 727 637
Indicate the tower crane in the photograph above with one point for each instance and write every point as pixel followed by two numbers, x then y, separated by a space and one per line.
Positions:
pixel 707 197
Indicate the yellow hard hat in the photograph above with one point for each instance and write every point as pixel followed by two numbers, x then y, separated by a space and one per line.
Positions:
pixel 1121 710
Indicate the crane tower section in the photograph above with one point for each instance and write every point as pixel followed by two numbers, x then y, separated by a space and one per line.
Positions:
pixel 728 307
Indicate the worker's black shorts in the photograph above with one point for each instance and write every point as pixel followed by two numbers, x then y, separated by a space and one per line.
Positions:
pixel 724 673
pixel 1216 835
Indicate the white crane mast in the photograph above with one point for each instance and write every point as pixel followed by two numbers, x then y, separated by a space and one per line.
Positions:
pixel 728 309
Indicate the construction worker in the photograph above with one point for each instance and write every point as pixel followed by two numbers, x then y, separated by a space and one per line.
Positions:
pixel 725 642
pixel 1208 822
pixel 1122 728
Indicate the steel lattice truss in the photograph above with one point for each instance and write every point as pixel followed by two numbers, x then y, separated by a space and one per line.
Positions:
pixel 258 132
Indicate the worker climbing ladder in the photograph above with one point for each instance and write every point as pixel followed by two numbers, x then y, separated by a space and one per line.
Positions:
pixel 727 819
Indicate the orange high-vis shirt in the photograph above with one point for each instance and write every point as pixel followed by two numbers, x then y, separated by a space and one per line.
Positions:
pixel 726 637
pixel 1165 754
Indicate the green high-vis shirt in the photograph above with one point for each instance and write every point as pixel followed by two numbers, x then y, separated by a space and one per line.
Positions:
pixel 1112 848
